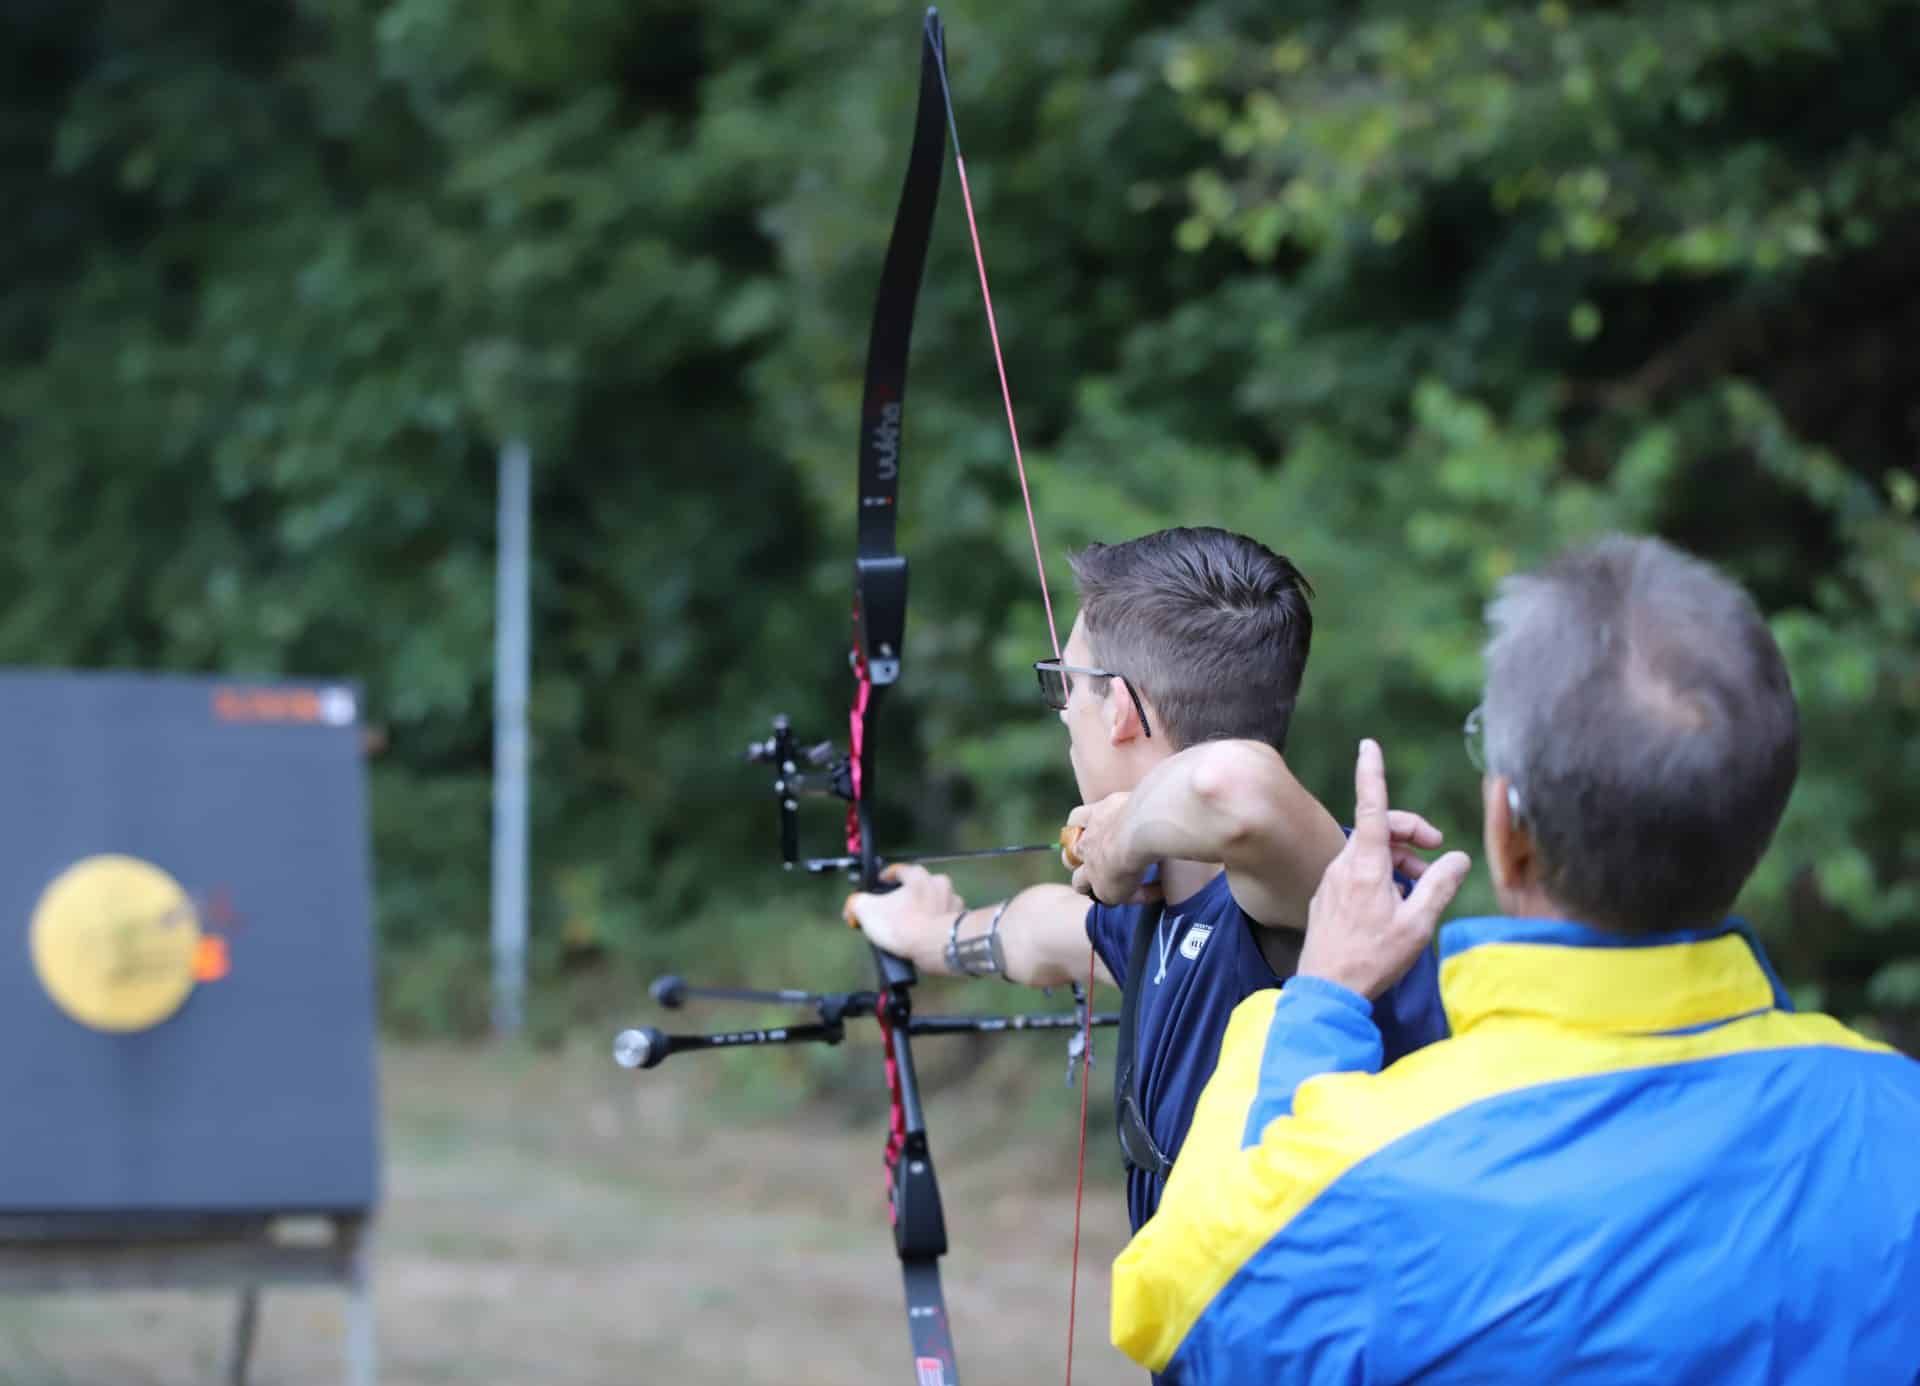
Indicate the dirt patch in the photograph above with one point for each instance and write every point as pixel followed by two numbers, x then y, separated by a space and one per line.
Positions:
pixel 552 1221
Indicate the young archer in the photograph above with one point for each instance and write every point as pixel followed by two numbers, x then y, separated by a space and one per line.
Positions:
pixel 1199 848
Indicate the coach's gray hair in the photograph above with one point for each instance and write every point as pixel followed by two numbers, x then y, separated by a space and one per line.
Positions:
pixel 1639 703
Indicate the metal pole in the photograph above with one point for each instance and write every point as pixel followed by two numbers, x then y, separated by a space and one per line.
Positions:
pixel 510 746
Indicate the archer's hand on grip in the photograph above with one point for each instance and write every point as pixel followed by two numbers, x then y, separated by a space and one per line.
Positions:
pixel 910 921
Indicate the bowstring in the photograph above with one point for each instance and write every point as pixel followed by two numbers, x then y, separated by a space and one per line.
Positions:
pixel 1053 634
pixel 993 332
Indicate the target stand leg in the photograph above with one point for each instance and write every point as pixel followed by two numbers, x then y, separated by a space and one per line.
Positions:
pixel 360 1325
pixel 245 1321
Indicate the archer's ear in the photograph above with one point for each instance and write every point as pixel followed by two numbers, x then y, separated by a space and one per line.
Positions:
pixel 1123 718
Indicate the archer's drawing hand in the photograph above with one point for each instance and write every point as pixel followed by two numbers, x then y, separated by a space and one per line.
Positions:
pixel 1102 869
pixel 912 920
pixel 1360 932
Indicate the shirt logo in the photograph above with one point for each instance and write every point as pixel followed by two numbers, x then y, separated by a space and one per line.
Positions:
pixel 1196 937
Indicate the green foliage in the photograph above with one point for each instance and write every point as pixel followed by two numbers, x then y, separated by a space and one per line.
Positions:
pixel 1530 272
pixel 1418 293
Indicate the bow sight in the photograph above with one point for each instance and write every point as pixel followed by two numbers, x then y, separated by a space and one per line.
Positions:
pixel 829 772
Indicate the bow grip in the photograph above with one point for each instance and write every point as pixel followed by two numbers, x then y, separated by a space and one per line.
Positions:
pixel 880 887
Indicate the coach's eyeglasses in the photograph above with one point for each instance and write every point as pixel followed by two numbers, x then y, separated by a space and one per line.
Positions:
pixel 1475 732
pixel 1056 686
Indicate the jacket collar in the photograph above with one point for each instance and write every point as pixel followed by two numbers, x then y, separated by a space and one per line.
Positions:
pixel 1587 979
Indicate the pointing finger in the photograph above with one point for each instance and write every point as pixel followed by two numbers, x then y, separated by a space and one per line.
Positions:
pixel 1370 797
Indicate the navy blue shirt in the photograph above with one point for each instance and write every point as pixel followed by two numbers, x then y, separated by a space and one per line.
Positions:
pixel 1205 960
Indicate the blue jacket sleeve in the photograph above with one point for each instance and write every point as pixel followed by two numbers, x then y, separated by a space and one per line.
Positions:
pixel 1232 1194
pixel 1318 1027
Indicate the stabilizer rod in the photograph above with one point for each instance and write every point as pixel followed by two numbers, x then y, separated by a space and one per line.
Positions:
pixel 648 1047
pixel 674 992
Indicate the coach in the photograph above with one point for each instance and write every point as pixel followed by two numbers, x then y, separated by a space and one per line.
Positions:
pixel 1632 1161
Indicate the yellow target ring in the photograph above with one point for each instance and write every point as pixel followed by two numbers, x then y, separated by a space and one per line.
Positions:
pixel 113 941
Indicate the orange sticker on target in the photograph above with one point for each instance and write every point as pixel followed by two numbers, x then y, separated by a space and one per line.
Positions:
pixel 210 961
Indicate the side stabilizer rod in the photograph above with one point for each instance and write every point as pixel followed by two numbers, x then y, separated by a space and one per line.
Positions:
pixel 647 1047
pixel 674 992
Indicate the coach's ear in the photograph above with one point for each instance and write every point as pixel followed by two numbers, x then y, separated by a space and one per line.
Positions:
pixel 1512 858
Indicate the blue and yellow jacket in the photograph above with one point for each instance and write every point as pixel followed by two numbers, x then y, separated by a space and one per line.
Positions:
pixel 1631 1162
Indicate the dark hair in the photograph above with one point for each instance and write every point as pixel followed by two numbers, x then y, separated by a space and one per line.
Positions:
pixel 1212 628
pixel 1639 704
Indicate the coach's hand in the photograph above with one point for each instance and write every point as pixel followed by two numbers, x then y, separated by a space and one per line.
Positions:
pixel 1360 932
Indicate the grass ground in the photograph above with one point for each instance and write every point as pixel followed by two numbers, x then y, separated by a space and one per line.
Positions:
pixel 553 1221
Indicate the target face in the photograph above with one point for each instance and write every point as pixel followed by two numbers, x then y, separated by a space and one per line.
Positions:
pixel 186 962
pixel 114 941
